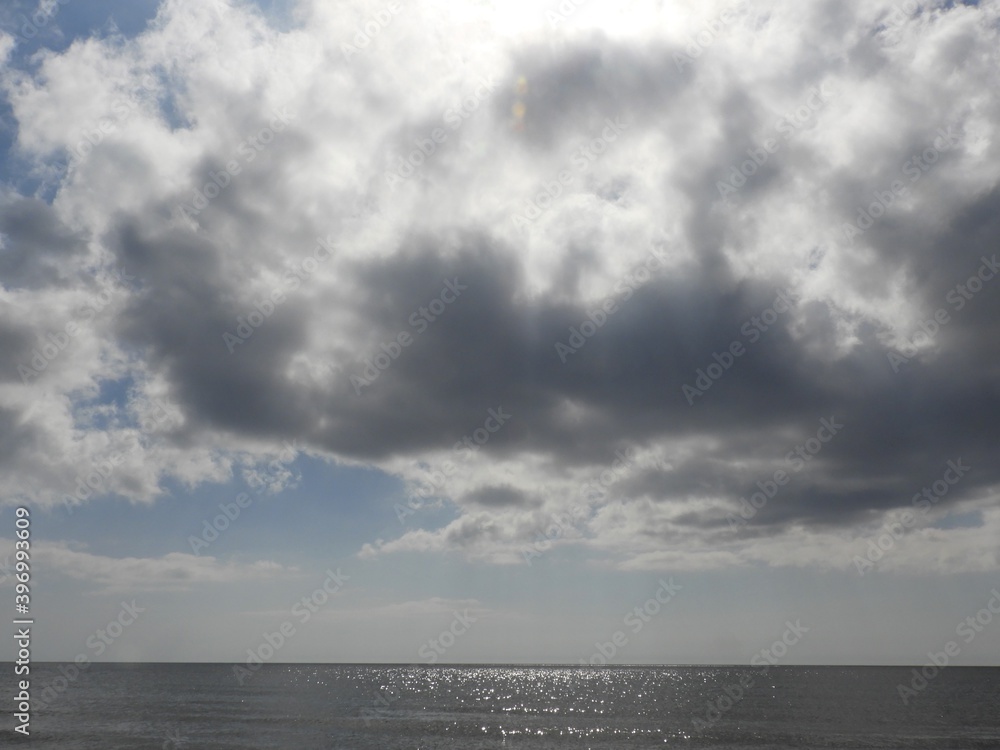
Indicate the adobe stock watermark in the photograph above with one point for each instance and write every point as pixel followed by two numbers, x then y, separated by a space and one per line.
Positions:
pixel 581 160
pixel 899 16
pixel 561 524
pixel 453 118
pixel 420 321
pixel 218 525
pixel 245 153
pixel 326 369
pixel 54 344
pixel 302 611
pixel 381 704
pixel 915 168
pixel 787 126
pixel 563 12
pixel 598 316
pixel 213 528
pixel 797 460
pixel 273 478
pixel 370 29
pixel 435 648
pixel 967 630
pixel 773 654
pixel 895 529
pixel 264 308
pixel 463 450
pixel 122 108
pixel 32 25
pixel 175 739
pixel 752 329
pixel 97 643
pixel 636 619
pixel 701 40
pixel 958 296
pixel 172 734
pixel 733 693
pixel 96 481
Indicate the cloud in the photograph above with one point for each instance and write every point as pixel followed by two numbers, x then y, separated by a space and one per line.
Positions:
pixel 432 607
pixel 40 245
pixel 175 571
pixel 616 242
pixel 497 497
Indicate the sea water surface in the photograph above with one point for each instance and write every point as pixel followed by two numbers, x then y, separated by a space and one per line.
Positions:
pixel 362 707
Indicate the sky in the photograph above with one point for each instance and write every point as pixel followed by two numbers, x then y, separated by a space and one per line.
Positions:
pixel 644 332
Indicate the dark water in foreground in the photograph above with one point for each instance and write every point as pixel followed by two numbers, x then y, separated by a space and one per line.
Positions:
pixel 174 706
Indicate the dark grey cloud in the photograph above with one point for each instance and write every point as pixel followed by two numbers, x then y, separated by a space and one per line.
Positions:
pixel 19 439
pixel 16 344
pixel 487 350
pixel 36 248
pixel 573 89
pixel 498 496
pixel 177 317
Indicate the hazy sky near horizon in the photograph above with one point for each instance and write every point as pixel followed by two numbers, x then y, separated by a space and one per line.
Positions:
pixel 501 319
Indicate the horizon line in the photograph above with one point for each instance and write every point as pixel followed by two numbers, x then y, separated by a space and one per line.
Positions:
pixel 528 664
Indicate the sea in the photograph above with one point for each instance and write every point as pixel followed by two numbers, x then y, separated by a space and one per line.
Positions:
pixel 474 707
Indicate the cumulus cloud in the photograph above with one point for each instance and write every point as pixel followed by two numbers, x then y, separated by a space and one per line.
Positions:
pixel 690 232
